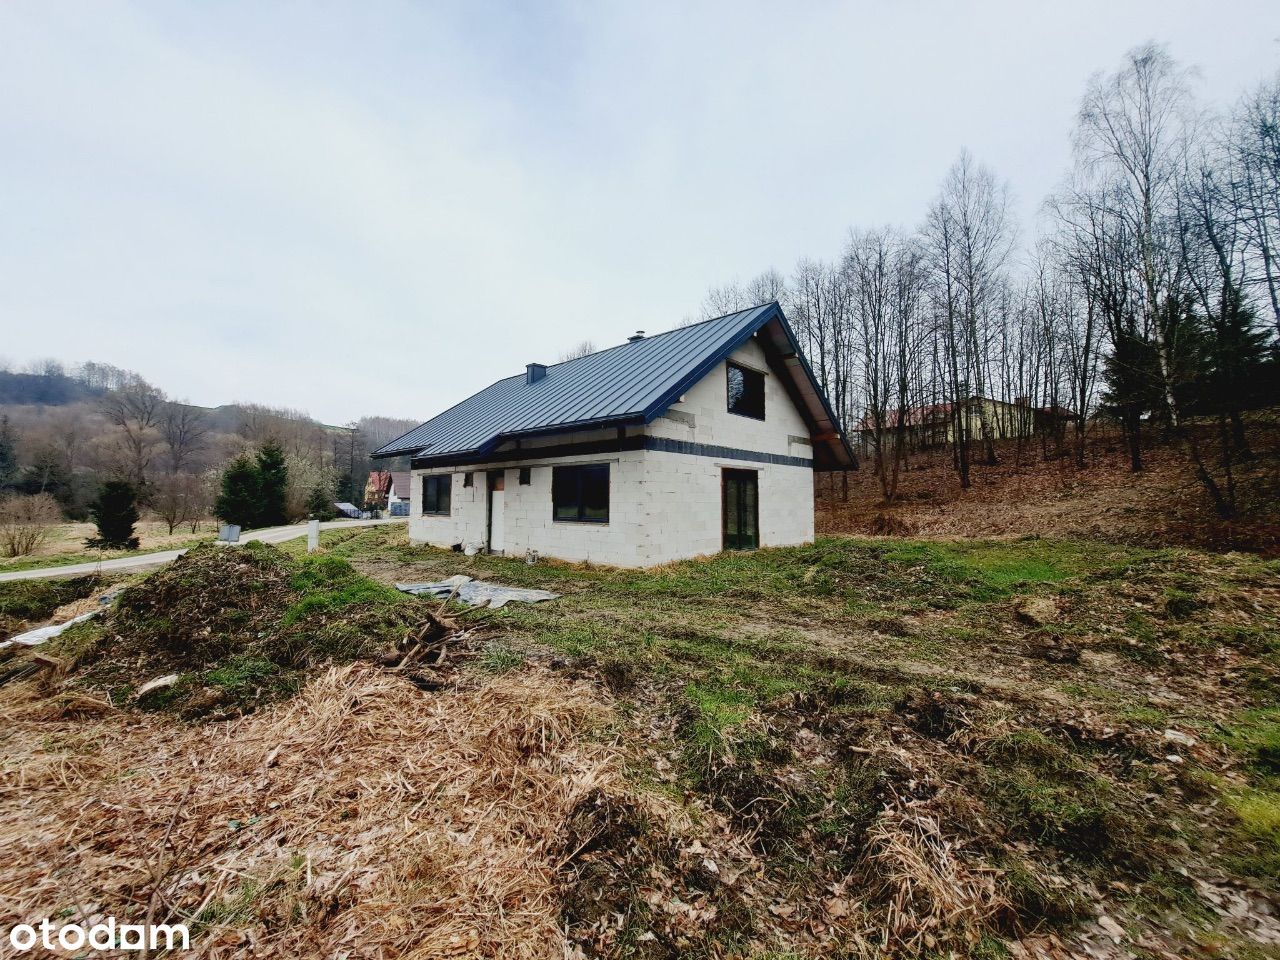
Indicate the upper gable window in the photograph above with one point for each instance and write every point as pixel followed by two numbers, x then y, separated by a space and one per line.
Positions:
pixel 746 392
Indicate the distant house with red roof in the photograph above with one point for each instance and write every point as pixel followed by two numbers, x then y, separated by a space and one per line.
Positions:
pixel 387 490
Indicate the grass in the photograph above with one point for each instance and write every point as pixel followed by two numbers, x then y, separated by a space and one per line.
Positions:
pixel 328 585
pixel 17 564
pixel 1256 735
pixel 33 601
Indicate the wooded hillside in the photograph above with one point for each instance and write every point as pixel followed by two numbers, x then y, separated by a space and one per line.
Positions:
pixel 63 430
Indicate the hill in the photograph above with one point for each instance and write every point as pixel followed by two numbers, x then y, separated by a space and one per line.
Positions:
pixel 69 429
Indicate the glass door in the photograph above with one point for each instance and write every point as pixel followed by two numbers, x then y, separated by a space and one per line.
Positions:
pixel 741 510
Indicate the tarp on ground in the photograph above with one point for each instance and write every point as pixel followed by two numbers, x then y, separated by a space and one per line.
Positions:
pixel 477 593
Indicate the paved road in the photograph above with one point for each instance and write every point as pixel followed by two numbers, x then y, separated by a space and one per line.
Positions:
pixel 268 535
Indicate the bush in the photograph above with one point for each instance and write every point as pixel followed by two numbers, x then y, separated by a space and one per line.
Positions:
pixel 25 522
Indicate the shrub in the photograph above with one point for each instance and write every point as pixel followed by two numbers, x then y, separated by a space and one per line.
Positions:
pixel 25 522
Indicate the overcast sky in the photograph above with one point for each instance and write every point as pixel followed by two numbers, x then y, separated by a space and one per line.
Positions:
pixel 380 208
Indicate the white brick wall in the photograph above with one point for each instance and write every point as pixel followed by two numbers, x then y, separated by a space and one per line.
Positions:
pixel 662 506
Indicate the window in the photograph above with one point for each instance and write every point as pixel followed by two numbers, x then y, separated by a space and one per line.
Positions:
pixel 581 494
pixel 746 392
pixel 436 492
pixel 466 480
pixel 526 475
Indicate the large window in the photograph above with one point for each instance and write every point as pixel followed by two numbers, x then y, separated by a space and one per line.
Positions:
pixel 436 491
pixel 746 392
pixel 581 494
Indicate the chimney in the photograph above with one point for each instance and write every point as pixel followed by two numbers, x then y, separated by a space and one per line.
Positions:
pixel 638 335
pixel 533 372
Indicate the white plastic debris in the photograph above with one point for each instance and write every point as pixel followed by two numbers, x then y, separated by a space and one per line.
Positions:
pixel 159 683
pixel 33 638
pixel 476 593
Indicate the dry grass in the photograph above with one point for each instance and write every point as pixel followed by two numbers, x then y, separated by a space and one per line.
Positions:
pixel 65 543
pixel 936 897
pixel 1028 494
pixel 363 818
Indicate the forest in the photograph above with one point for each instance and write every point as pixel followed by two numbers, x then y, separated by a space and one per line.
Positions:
pixel 1148 299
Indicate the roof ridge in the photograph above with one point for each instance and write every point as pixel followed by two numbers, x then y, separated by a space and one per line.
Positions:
pixel 662 333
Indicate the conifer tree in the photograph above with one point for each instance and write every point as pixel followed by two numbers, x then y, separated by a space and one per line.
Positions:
pixel 239 500
pixel 273 481
pixel 115 512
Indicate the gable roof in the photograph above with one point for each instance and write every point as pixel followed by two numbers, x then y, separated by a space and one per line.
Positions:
pixel 634 382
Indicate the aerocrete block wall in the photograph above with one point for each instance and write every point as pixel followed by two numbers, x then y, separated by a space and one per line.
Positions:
pixel 663 505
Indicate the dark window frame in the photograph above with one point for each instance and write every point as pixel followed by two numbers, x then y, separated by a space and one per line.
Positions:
pixel 569 487
pixel 440 482
pixel 526 476
pixel 747 375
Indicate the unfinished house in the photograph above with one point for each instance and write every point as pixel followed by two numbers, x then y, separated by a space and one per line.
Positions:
pixel 684 443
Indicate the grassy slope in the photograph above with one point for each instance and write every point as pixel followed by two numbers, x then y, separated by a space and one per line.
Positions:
pixel 800 691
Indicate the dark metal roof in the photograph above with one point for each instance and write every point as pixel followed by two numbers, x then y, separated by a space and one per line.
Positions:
pixel 634 382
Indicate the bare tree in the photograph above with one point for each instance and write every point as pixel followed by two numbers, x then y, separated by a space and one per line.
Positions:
pixel 185 430
pixel 1132 131
pixel 179 498
pixel 25 522
pixel 1253 144
pixel 135 410
pixel 884 278
pixel 969 237
pixel 579 350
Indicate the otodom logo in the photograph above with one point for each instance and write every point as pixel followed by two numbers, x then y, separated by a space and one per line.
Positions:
pixel 108 935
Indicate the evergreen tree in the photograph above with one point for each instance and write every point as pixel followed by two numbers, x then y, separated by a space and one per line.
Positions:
pixel 239 499
pixel 8 454
pixel 320 503
pixel 115 512
pixel 273 480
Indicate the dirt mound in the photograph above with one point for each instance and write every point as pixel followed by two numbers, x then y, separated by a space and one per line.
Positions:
pixel 224 630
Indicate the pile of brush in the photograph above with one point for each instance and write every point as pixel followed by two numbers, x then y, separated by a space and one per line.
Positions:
pixel 423 654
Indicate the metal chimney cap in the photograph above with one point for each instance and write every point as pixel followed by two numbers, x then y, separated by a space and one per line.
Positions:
pixel 638 335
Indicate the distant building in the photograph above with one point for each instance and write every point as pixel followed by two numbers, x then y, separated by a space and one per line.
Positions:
pixel 934 425
pixel 683 443
pixel 348 510
pixel 377 489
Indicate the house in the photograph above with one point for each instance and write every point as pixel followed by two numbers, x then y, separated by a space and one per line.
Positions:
pixel 933 425
pixel 377 489
pixel 668 446
pixel 398 494
pixel 388 490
